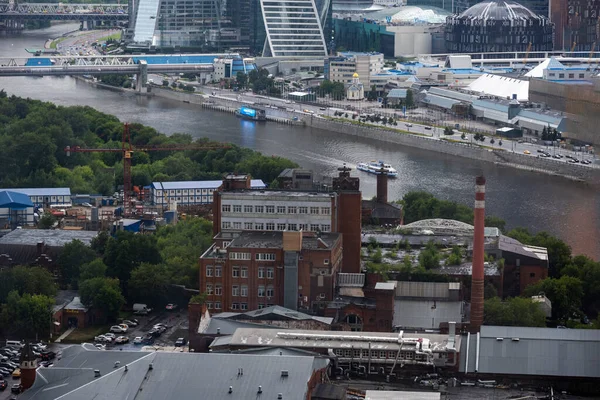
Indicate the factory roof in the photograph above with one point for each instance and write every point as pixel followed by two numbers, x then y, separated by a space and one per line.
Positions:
pixel 511 245
pixel 273 313
pixel 254 184
pixel 164 375
pixel 221 326
pixel 401 395
pixel 14 200
pixel 51 238
pixel 425 313
pixel 64 191
pixel 501 86
pixel 534 351
pixel 466 269
pixel 274 240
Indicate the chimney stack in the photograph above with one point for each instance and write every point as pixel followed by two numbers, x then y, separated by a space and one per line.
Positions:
pixel 382 186
pixel 478 256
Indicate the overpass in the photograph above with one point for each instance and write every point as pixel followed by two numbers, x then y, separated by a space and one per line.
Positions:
pixel 517 59
pixel 60 11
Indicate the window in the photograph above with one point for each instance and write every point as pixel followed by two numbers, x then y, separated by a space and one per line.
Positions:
pixel 270 209
pixel 259 226
pixel 226 208
pixel 237 208
pixel 209 270
pixel 247 209
pixel 243 306
pixel 325 228
pixel 259 209
pixel 248 225
pixel 314 227
pixel 302 210
pixel 261 291
pixel 244 272
pixel 292 210
pixel 581 76
pixel 226 225
pixel 292 227
pixel 280 209
pixel 237 225
pixel 218 290
pixel 235 272
pixel 261 273
pixel 235 290
pixel 217 305
pixel 561 76
pixel 281 227
pixel 270 291
pixel 209 305
pixel 314 210
pixel 302 227
pixel 325 210
pixel 532 274
pixel 571 76
pixel 270 226
pixel 244 291
pixel 209 288
pixel 235 306
pixel 270 273
pixel 239 256
pixel 261 306
pixel 265 256
pixel 218 270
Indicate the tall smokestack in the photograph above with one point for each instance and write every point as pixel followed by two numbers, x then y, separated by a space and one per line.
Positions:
pixel 478 256
pixel 382 186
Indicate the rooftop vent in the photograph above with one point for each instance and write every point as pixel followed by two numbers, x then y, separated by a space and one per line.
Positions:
pixel 230 389
pixel 96 373
pixel 150 366
pixel 285 373
pixel 499 339
pixel 117 363
pixel 260 389
pixel 515 339
pixel 280 396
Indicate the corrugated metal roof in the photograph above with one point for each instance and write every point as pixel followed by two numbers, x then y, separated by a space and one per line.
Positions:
pixel 579 335
pixel 51 238
pixel 254 184
pixel 43 191
pixel 401 395
pixel 440 101
pixel 502 86
pixel 76 304
pixel 426 314
pixel 397 93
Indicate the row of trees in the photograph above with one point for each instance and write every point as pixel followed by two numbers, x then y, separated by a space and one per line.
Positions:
pixel 260 81
pixel 34 134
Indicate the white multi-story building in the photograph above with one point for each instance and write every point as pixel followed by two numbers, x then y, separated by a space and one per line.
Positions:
pixel 189 192
pixel 343 67
pixel 47 197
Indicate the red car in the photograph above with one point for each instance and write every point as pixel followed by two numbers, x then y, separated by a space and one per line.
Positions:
pixel 171 306
pixel 3 385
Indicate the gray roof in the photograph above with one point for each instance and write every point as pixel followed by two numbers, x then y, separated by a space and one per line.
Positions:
pixel 76 304
pixel 51 238
pixel 254 184
pixel 535 351
pixel 228 327
pixel 274 240
pixel 274 313
pixel 511 245
pixel 401 395
pixel 426 314
pixel 397 93
pixel 174 375
pixel 64 191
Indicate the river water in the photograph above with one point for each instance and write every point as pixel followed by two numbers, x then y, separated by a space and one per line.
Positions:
pixel 566 209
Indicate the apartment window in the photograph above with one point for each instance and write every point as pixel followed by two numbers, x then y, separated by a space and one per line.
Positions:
pixel 270 273
pixel 265 256
pixel 244 273
pixel 281 227
pixel 325 210
pixel 235 290
pixel 248 225
pixel 209 288
pixel 209 305
pixel 270 209
pixel 261 273
pixel 571 76
pixel 581 76
pixel 243 306
pixel 270 226
pixel 532 274
pixel 270 291
pixel 261 306
pixel 237 208
pixel 218 270
pixel 314 210
pixel 261 291
pixel 225 244
pixel 217 305
pixel 280 209
pixel 247 209
pixel 239 256
pixel 235 306
pixel 237 225
pixel 325 228
pixel 292 227
pixel 226 208
pixel 209 270
pixel 226 225
pixel 235 272
pixel 314 227
pixel 292 210
pixel 259 226
pixel 302 210
pixel 218 290
pixel 244 291
pixel 259 209
pixel 561 76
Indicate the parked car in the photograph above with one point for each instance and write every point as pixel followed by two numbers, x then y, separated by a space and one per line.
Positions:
pixel 46 364
pixel 137 340
pixel 4 373
pixel 180 342
pixel 122 340
pixel 100 346
pixel 10 367
pixel 48 355
pixel 117 329
pixel 148 339
pixel 16 373
pixel 130 322
pixel 41 346
pixel 154 332
pixel 3 385
pixel 16 388
pixel 143 308
pixel 171 307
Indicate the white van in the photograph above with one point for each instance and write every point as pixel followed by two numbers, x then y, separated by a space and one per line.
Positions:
pixel 14 343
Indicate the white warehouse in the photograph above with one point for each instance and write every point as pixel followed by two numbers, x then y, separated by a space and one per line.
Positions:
pixel 189 193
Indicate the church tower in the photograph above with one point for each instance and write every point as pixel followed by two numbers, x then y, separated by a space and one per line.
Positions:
pixel 28 366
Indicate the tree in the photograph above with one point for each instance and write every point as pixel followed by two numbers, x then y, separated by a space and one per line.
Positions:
pixel 409 101
pixel 198 298
pixel 103 294
pixel 149 283
pixel 94 269
pixel 372 94
pixel 46 221
pixel 28 315
pixel 241 79
pixel 429 258
pixel 26 280
pixel 565 293
pixel 70 260
pixel 516 311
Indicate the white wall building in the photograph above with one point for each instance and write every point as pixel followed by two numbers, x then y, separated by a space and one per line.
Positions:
pixel 47 197
pixel 343 67
pixel 189 192
pixel 356 90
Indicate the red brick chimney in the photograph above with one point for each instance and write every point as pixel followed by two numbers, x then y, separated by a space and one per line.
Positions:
pixel 478 256
pixel 382 186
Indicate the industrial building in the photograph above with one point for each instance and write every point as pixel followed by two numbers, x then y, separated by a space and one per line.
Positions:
pixel 16 209
pixel 498 26
pixel 189 192
pixel 46 197
pixel 342 67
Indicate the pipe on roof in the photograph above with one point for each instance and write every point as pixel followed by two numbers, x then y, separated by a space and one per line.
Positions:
pixel 477 353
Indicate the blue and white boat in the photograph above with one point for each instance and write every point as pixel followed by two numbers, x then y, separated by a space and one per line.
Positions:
pixel 375 167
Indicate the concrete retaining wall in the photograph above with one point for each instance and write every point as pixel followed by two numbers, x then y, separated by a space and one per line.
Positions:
pixel 178 96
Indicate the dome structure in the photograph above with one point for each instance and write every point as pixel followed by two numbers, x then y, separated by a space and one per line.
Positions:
pixel 498 26
pixel 355 75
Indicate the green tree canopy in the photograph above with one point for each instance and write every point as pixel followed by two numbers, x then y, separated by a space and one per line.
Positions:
pixel 516 311
pixel 559 253
pixel 149 284
pixel 70 260
pixel 565 293
pixel 93 269
pixel 28 315
pixel 26 280
pixel 103 294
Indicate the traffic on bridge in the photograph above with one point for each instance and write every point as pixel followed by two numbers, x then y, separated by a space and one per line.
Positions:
pixel 60 11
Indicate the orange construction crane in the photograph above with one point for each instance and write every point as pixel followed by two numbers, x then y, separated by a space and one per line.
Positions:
pixel 526 56
pixel 127 149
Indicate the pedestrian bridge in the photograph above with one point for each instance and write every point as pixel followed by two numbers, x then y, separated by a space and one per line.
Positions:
pixel 60 11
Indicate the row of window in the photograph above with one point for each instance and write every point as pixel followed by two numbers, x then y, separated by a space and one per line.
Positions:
pixel 240 290
pixel 185 191
pixel 561 76
pixel 380 354
pixel 42 199
pixel 247 256
pixel 191 199
pixel 234 306
pixel 239 272
pixel 272 226
pixel 237 208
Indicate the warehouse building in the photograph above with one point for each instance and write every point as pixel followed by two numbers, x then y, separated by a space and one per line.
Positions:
pixel 47 197
pixel 16 209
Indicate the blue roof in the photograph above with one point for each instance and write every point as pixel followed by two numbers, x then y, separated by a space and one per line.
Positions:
pixel 14 200
pixel 64 191
pixel 204 59
pixel 401 72
pixel 254 184
pixel 397 93
pixel 38 62
pixel 463 71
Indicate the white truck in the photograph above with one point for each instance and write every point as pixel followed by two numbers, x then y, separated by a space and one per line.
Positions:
pixel 141 309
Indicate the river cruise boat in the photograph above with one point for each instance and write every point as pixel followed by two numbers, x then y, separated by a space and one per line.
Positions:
pixel 375 167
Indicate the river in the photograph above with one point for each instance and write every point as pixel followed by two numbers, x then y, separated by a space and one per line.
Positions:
pixel 566 209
